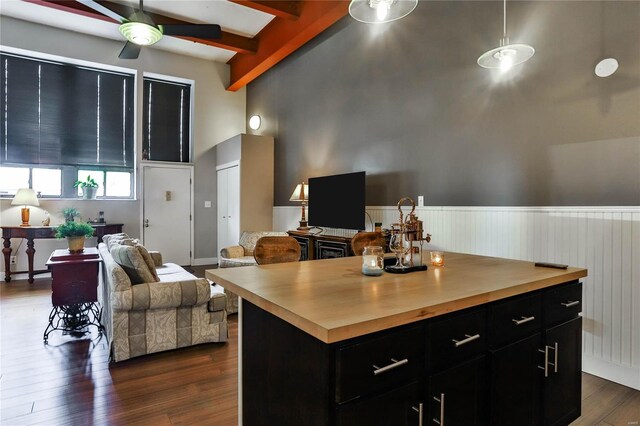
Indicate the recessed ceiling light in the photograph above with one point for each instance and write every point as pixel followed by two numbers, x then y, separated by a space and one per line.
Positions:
pixel 606 67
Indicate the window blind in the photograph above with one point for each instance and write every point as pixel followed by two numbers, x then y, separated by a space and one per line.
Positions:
pixel 60 114
pixel 166 120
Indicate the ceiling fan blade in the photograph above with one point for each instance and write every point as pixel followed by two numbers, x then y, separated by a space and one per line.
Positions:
pixel 130 51
pixel 102 9
pixel 210 31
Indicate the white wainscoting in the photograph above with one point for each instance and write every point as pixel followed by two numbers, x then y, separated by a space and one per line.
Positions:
pixel 605 240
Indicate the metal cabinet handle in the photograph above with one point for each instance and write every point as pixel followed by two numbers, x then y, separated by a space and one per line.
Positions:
pixel 379 370
pixel 440 421
pixel 465 341
pixel 419 410
pixel 570 303
pixel 546 359
pixel 523 320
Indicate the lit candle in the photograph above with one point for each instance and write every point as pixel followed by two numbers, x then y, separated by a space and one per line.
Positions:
pixel 437 258
pixel 372 263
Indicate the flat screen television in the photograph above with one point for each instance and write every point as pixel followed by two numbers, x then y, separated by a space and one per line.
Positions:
pixel 337 201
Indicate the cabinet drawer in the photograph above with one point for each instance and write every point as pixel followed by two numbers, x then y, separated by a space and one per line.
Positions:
pixel 562 303
pixel 456 338
pixel 514 319
pixel 378 363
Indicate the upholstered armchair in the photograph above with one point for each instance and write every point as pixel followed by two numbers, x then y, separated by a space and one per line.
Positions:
pixel 242 255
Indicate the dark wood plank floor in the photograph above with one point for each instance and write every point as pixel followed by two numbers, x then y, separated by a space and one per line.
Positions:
pixel 71 382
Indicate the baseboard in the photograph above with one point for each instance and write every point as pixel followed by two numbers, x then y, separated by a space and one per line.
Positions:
pixel 626 376
pixel 205 261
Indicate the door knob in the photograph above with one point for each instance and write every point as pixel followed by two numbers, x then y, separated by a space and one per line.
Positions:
pixel 146 223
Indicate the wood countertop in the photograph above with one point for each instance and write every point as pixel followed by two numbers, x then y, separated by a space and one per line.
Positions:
pixel 332 301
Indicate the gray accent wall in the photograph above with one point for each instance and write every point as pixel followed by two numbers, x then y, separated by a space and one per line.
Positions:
pixel 407 103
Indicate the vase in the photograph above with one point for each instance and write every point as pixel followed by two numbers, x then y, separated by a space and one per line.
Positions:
pixel 76 244
pixel 89 193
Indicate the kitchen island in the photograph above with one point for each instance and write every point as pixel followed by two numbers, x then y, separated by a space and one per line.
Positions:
pixel 480 340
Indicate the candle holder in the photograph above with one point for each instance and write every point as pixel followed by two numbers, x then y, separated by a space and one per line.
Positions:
pixel 437 258
pixel 373 261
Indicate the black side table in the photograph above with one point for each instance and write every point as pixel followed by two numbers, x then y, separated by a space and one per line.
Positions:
pixel 74 291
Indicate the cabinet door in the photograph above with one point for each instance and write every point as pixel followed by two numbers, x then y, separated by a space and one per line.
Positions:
pixel 562 386
pixel 304 247
pixel 331 249
pixel 399 407
pixel 515 383
pixel 458 396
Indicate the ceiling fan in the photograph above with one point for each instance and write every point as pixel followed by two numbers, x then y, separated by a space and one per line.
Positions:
pixel 140 30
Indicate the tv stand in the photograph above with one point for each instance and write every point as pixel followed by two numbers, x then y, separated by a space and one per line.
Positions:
pixel 321 246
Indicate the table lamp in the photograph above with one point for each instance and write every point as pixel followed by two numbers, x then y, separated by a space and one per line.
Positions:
pixel 25 197
pixel 301 194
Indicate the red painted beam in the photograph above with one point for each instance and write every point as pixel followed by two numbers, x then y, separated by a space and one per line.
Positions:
pixel 282 37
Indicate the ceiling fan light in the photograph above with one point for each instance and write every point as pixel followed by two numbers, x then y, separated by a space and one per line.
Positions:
pixel 141 33
pixel 505 57
pixel 380 11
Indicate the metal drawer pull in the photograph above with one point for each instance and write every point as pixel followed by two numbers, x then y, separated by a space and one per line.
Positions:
pixel 441 401
pixel 555 357
pixel 523 320
pixel 379 370
pixel 570 304
pixel 467 340
pixel 419 410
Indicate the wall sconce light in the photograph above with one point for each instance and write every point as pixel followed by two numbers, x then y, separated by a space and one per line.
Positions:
pixel 254 122
pixel 606 67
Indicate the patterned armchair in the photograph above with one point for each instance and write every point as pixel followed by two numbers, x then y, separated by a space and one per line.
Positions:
pixel 242 255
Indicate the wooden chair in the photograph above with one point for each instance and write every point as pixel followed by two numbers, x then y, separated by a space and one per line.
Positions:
pixel 364 239
pixel 276 250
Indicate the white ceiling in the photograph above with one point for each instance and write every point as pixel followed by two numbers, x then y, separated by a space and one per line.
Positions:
pixel 230 16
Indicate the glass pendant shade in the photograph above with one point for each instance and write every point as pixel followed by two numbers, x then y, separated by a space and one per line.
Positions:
pixel 380 11
pixel 506 55
pixel 141 33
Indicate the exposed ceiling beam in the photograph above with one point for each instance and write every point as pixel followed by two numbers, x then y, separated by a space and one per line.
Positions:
pixel 280 8
pixel 228 41
pixel 282 37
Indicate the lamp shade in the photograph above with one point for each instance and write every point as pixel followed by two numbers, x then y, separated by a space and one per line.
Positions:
pixel 301 193
pixel 380 11
pixel 25 197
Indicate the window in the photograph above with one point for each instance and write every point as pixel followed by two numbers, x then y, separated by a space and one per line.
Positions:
pixel 57 119
pixel 166 125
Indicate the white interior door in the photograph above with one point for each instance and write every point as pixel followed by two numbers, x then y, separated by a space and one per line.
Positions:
pixel 228 206
pixel 167 209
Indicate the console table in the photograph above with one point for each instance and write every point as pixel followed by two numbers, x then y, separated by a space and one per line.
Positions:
pixel 324 246
pixel 41 232
pixel 74 291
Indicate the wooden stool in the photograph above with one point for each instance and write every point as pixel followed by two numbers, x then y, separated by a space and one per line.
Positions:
pixel 276 250
pixel 364 239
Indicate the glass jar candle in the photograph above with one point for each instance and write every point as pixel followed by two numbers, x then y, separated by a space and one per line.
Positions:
pixel 373 260
pixel 437 258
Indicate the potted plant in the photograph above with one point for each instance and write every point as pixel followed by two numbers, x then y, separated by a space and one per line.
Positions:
pixel 70 214
pixel 75 233
pixel 89 188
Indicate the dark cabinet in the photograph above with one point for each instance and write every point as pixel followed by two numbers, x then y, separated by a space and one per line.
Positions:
pixel 332 249
pixel 515 383
pixel 321 246
pixel 516 361
pixel 399 407
pixel 457 396
pixel 562 384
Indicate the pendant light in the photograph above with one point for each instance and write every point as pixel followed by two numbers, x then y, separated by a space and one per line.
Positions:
pixel 380 11
pixel 506 55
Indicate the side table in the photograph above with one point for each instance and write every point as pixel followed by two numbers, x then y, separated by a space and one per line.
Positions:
pixel 74 291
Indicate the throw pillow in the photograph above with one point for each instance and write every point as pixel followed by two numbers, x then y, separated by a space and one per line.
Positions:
pixel 130 259
pixel 148 260
pixel 109 237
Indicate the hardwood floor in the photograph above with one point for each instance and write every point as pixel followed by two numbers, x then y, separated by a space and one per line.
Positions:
pixel 70 382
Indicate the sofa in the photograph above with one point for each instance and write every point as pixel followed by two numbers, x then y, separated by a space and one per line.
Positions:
pixel 158 308
pixel 242 255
